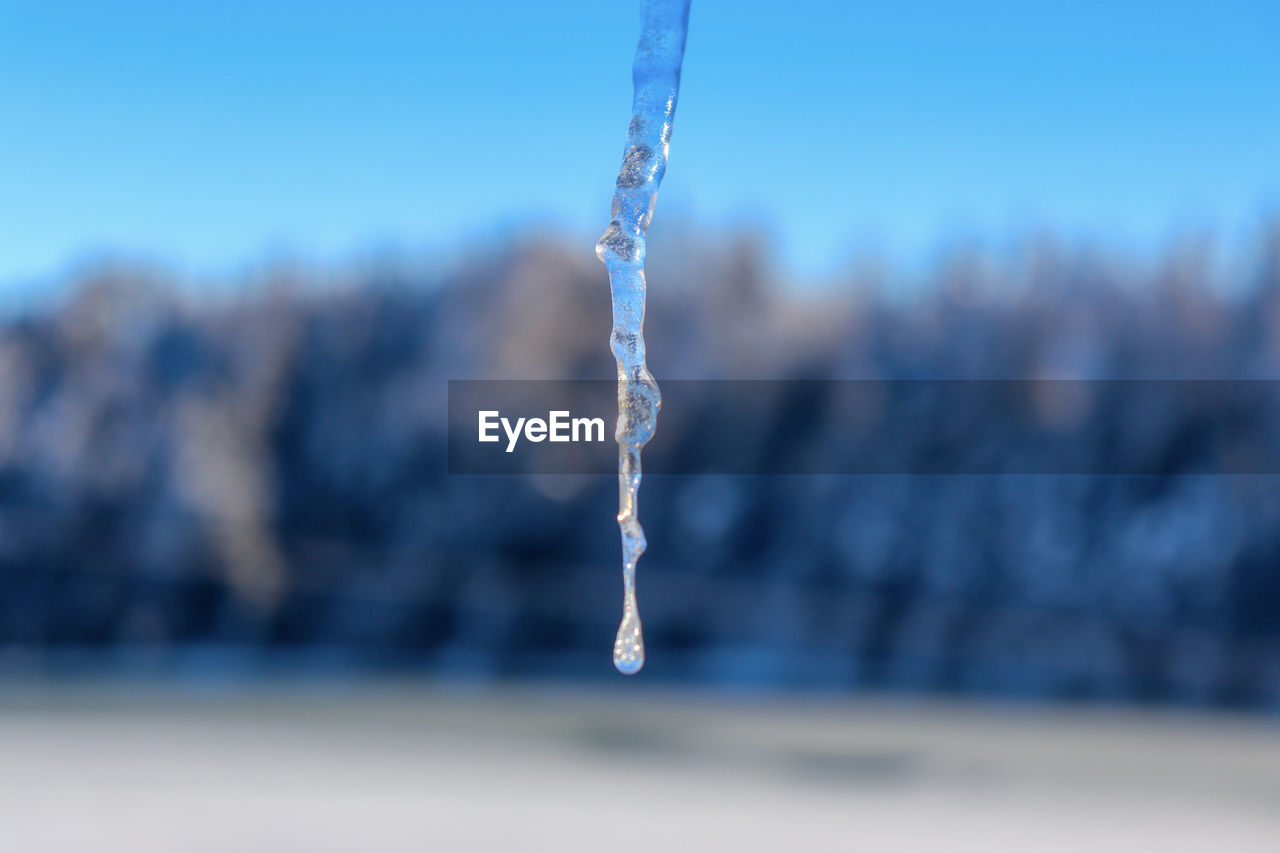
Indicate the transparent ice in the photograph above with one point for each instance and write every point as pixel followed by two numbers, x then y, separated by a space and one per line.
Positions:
pixel 656 78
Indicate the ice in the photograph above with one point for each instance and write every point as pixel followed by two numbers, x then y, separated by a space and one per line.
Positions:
pixel 656 78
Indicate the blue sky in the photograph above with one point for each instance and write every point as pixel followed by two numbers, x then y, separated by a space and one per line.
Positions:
pixel 210 135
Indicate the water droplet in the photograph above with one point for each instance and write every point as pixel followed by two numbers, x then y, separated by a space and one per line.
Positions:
pixel 628 648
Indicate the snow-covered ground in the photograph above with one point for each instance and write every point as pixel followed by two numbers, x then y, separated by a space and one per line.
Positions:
pixel 406 768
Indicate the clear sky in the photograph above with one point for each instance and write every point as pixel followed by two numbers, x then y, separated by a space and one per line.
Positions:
pixel 209 134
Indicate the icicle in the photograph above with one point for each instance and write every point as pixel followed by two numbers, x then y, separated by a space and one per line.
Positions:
pixel 656 77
